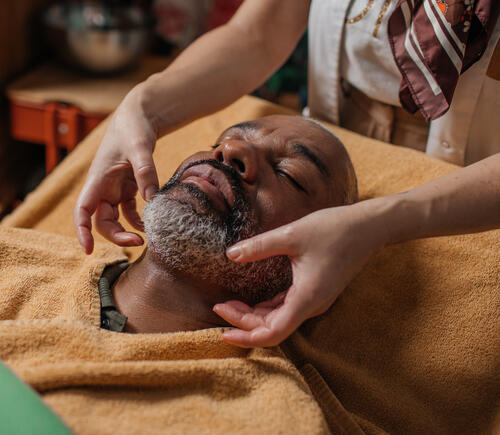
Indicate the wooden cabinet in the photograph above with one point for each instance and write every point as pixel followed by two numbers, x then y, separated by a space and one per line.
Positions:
pixel 57 107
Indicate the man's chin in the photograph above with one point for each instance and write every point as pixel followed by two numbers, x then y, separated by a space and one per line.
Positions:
pixel 194 244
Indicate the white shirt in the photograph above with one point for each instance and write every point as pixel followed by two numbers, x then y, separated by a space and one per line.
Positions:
pixel 366 56
pixel 468 132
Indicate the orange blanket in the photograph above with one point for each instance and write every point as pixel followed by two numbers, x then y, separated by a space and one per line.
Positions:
pixel 411 346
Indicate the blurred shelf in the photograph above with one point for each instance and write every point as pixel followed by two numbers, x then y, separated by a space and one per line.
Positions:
pixel 58 107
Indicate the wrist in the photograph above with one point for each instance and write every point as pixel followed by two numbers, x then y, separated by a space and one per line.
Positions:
pixel 394 218
pixel 167 100
pixel 142 100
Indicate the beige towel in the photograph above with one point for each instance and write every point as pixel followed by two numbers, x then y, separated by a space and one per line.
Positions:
pixel 103 382
pixel 412 345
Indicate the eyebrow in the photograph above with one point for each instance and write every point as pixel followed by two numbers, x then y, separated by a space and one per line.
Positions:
pixel 244 126
pixel 303 151
pixel 298 148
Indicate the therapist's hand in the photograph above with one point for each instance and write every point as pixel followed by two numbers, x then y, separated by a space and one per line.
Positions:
pixel 122 165
pixel 327 249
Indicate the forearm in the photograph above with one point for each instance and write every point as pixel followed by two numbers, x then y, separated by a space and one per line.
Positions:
pixel 223 64
pixel 213 72
pixel 465 201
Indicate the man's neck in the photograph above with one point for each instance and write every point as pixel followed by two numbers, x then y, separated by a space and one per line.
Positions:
pixel 157 300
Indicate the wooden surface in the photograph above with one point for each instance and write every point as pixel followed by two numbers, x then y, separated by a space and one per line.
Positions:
pixel 51 82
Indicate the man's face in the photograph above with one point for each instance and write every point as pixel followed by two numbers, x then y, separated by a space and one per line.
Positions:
pixel 258 176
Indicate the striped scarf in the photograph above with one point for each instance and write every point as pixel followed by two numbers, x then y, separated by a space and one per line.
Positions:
pixel 433 42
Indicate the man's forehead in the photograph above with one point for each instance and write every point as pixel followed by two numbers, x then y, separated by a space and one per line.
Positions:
pixel 299 136
pixel 283 126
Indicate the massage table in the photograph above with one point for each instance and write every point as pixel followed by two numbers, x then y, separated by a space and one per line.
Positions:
pixel 415 344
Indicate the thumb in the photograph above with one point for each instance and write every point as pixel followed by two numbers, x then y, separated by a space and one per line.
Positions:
pixel 145 174
pixel 275 242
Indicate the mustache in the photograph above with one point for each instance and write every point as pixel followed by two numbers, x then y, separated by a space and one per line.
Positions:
pixel 241 221
pixel 232 175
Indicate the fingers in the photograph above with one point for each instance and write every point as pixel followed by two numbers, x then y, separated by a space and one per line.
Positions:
pixel 106 222
pixel 85 238
pixel 259 337
pixel 82 219
pixel 274 326
pixel 279 241
pixel 241 315
pixel 145 174
pixel 274 302
pixel 129 209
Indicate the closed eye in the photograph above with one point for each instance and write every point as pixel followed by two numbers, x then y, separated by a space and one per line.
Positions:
pixel 214 146
pixel 296 184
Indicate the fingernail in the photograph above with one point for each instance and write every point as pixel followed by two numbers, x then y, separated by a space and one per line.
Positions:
pixel 150 192
pixel 233 253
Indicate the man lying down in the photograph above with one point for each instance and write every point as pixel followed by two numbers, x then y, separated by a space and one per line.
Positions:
pixel 258 176
pixel 410 346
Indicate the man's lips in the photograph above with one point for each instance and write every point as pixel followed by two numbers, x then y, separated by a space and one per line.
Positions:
pixel 213 182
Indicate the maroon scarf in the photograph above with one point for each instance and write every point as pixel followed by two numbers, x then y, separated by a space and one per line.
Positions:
pixel 433 42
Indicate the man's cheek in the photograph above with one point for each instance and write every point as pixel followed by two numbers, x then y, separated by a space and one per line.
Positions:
pixel 272 210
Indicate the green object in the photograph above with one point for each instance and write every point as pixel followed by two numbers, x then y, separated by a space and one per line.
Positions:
pixel 22 412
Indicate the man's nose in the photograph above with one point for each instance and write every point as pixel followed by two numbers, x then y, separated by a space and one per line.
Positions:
pixel 240 156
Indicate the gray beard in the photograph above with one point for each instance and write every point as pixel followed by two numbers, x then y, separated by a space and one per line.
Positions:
pixel 194 243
